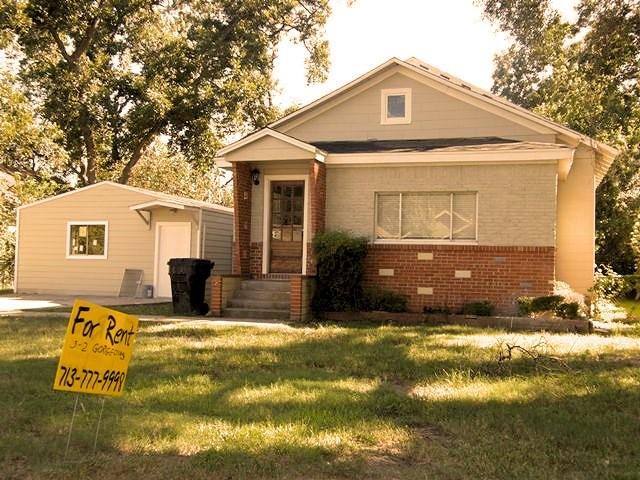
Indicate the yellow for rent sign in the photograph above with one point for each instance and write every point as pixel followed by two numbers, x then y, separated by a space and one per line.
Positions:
pixel 96 351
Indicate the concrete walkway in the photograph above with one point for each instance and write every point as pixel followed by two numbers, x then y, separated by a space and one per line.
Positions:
pixel 30 302
pixel 31 306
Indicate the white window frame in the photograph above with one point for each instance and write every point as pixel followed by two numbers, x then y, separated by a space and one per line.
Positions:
pixel 426 241
pixel 386 93
pixel 87 257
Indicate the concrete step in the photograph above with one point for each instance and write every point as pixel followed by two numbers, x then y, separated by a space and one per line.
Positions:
pixel 271 285
pixel 243 293
pixel 267 304
pixel 258 313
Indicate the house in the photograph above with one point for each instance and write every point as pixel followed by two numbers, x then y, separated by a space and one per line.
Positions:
pixel 463 195
pixel 83 241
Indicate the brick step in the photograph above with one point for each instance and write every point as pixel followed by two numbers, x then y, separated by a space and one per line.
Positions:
pixel 256 313
pixel 268 304
pixel 271 285
pixel 274 295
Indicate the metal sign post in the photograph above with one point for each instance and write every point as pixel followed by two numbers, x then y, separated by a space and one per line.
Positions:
pixel 73 417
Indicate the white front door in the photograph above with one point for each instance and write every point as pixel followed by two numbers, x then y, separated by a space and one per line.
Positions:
pixel 173 240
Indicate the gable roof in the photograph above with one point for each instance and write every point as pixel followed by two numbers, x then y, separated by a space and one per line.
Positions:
pixel 252 137
pixel 170 199
pixel 471 93
pixel 427 145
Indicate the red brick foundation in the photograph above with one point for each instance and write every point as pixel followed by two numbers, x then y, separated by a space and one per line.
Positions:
pixel 498 274
pixel 216 296
pixel 256 259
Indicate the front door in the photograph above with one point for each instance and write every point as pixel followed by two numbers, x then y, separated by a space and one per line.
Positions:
pixel 287 227
pixel 173 241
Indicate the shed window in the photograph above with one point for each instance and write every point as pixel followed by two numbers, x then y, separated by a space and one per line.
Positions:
pixel 87 240
pixel 437 216
pixel 396 106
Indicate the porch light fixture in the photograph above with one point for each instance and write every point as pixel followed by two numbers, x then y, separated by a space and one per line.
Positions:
pixel 255 176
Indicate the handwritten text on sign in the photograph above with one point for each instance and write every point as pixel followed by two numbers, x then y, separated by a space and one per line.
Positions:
pixel 96 351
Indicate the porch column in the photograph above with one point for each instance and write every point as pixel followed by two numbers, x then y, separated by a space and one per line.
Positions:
pixel 241 218
pixel 317 198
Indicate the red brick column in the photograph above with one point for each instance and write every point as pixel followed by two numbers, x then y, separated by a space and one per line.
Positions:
pixel 216 296
pixel 242 218
pixel 295 305
pixel 317 198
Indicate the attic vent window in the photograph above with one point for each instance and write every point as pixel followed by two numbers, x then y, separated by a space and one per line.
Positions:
pixel 396 106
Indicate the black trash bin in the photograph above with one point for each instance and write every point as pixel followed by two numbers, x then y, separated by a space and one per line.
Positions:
pixel 188 279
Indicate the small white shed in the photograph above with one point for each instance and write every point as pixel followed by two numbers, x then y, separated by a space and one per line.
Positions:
pixel 81 242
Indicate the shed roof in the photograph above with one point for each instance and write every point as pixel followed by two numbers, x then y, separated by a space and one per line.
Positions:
pixel 173 199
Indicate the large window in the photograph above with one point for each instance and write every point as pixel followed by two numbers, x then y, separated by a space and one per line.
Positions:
pixel 87 240
pixel 434 216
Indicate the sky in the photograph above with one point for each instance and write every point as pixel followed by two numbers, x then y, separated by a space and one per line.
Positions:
pixel 448 34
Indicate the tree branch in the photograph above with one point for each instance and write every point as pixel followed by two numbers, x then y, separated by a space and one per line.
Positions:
pixel 85 42
pixel 136 155
pixel 59 44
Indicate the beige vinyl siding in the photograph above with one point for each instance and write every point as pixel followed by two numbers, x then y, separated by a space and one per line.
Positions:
pixel 575 255
pixel 434 115
pixel 217 232
pixel 516 203
pixel 43 266
pixel 269 148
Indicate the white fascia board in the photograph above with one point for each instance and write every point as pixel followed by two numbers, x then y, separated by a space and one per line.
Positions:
pixel 157 203
pixel 562 157
pixel 263 133
pixel 428 157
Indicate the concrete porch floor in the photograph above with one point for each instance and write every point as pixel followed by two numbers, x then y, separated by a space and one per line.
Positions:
pixel 31 302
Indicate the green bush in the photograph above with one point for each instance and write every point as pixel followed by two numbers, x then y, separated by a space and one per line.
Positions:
pixel 524 305
pixel 609 285
pixel 568 310
pixel 546 303
pixel 340 262
pixel 549 303
pixel 382 300
pixel 482 309
pixel 7 257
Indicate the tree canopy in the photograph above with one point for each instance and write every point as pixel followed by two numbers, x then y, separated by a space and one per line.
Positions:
pixel 114 75
pixel 583 74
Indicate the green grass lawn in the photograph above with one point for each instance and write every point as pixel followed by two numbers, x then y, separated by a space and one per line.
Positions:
pixel 631 307
pixel 327 402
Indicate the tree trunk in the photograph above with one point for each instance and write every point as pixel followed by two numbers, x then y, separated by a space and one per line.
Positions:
pixel 90 164
pixel 135 157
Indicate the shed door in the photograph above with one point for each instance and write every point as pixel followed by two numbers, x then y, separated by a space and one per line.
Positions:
pixel 287 220
pixel 173 240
